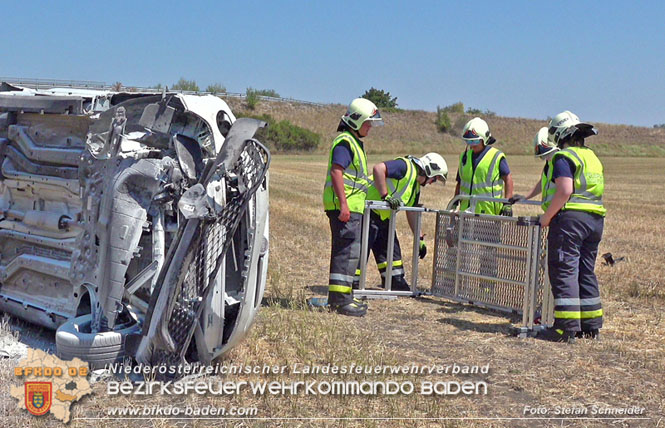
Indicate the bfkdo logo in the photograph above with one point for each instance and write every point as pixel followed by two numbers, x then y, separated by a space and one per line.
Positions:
pixel 49 384
pixel 38 397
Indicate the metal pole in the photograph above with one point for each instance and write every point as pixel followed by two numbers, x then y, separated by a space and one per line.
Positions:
pixel 458 250
pixel 391 248
pixel 416 253
pixel 534 278
pixel 527 316
pixel 364 248
pixel 547 315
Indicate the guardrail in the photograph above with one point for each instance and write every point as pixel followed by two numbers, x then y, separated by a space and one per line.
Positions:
pixel 102 86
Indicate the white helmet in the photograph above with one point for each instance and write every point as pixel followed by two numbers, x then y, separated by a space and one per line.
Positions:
pixel 542 145
pixel 360 110
pixel 566 124
pixel 477 130
pixel 560 123
pixel 433 165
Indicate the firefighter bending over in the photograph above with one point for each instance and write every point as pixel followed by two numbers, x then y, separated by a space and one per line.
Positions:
pixel 398 182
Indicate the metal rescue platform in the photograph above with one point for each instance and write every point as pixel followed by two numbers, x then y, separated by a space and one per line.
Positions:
pixel 489 261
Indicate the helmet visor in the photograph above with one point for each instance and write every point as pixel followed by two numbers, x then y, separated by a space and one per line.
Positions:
pixel 375 119
pixel 473 142
pixel 542 150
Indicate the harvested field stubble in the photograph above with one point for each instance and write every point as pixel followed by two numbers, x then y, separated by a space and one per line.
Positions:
pixel 624 369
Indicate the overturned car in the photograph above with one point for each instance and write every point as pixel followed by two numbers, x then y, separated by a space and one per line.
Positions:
pixel 134 223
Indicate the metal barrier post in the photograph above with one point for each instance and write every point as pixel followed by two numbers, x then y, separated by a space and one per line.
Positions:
pixel 363 249
pixel 416 252
pixel 388 292
pixel 534 286
pixel 391 247
pixel 547 311
pixel 460 229
pixel 527 317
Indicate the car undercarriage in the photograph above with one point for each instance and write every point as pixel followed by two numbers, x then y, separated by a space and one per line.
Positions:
pixel 134 223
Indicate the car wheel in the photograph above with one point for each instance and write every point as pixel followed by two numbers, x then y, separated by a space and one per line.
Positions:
pixel 73 339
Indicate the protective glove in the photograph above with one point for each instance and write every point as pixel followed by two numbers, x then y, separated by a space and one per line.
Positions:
pixel 515 198
pixel 423 249
pixel 392 201
pixel 507 210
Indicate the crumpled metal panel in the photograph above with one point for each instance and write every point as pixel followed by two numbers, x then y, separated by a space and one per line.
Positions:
pixel 210 243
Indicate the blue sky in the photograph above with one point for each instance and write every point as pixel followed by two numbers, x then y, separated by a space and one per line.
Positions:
pixel 605 61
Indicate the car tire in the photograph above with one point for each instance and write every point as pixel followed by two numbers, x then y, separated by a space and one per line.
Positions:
pixel 72 340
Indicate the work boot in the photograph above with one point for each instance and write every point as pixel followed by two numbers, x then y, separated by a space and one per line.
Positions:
pixel 360 301
pixel 592 333
pixel 398 284
pixel 350 309
pixel 556 335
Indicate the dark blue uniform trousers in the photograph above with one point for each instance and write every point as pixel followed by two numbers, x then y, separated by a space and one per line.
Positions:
pixel 344 257
pixel 572 250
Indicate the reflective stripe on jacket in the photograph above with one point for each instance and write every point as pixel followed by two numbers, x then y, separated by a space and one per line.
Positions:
pixel 405 188
pixel 588 181
pixel 484 180
pixel 547 187
pixel 356 180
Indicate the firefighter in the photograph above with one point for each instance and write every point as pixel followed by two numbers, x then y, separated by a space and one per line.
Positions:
pixel 575 215
pixel 544 149
pixel 344 196
pixel 483 170
pixel 398 182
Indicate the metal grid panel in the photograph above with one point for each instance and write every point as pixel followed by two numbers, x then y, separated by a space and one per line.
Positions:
pixel 208 246
pixel 490 261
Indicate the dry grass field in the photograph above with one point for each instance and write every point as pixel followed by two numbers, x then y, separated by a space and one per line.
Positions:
pixel 624 369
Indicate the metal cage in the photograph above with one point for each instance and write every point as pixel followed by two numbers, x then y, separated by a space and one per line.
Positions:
pixel 493 261
pixel 490 261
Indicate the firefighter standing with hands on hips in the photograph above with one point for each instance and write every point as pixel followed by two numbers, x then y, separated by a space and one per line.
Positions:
pixel 344 194
pixel 574 213
pixel 398 182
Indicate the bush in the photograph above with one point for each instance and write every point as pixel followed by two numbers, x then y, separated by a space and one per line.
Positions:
pixel 381 98
pixel 659 125
pixel 251 98
pixel 216 88
pixel 267 93
pixel 478 112
pixel 186 85
pixel 285 136
pixel 458 107
pixel 442 120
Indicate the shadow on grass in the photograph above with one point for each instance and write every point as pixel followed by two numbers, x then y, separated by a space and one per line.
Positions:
pixel 450 307
pixel 318 289
pixel 506 329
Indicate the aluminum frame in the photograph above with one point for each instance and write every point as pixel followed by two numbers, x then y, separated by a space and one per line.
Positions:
pixel 364 251
pixel 529 288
